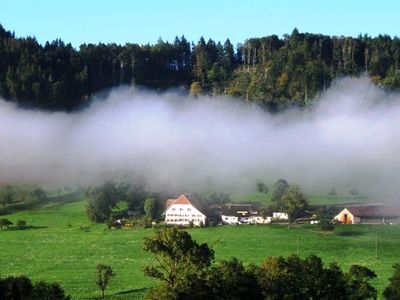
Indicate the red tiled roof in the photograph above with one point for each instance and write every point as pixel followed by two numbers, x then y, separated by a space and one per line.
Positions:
pixel 182 199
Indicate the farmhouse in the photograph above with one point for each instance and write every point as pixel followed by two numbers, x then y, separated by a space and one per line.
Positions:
pixel 369 214
pixel 182 211
pixel 280 216
pixel 242 214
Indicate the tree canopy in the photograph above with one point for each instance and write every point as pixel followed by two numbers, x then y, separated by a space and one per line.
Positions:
pixel 280 188
pixel 392 291
pixel 178 258
pixel 100 201
pixel 184 276
pixel 274 72
pixel 293 202
pixel 21 287
pixel 104 275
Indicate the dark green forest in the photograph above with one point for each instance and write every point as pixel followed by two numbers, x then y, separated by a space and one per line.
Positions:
pixel 274 72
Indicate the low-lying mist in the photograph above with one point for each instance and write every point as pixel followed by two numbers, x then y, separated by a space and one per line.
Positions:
pixel 349 139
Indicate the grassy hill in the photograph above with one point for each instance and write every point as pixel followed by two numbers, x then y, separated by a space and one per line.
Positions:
pixel 61 245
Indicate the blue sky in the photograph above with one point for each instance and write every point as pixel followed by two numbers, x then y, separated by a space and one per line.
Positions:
pixel 122 21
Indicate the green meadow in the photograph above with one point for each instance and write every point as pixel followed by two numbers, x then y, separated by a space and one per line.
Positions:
pixel 61 245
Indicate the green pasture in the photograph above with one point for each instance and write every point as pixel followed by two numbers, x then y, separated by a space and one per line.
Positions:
pixel 61 245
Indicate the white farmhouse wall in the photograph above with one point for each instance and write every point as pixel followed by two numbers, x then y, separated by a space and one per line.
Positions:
pixel 280 216
pixel 183 214
pixel 229 219
pixel 260 220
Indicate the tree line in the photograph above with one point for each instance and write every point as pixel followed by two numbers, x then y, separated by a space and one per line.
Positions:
pixel 274 72
pixel 186 269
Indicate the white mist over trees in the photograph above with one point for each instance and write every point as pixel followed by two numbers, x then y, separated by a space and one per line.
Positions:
pixel 349 139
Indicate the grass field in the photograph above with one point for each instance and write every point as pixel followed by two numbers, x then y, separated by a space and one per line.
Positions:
pixel 61 245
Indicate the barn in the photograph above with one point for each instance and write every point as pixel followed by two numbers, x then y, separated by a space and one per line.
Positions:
pixel 236 214
pixel 369 214
pixel 242 214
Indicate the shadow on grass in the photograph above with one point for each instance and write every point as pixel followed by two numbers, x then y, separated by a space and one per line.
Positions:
pixel 350 233
pixel 128 294
pixel 131 291
pixel 15 228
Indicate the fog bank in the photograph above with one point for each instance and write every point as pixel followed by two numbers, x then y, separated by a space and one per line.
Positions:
pixel 349 139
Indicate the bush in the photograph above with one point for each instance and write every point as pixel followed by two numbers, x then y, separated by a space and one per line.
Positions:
pixel 21 224
pixel 212 223
pixel 16 288
pixel 48 291
pixel 147 223
pixel 325 224
pixel 13 288
pixel 5 223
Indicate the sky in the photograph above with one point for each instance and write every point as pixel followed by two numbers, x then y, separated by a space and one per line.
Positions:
pixel 142 22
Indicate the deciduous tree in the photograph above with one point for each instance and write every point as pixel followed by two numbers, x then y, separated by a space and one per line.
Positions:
pixel 150 208
pixel 104 275
pixel 8 195
pixel 136 195
pixel 392 291
pixel 359 286
pixel 230 279
pixel 39 194
pixel 280 188
pixel 100 202
pixel 260 186
pixel 180 260
pixel 293 202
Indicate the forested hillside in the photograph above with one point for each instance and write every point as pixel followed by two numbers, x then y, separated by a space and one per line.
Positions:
pixel 274 72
